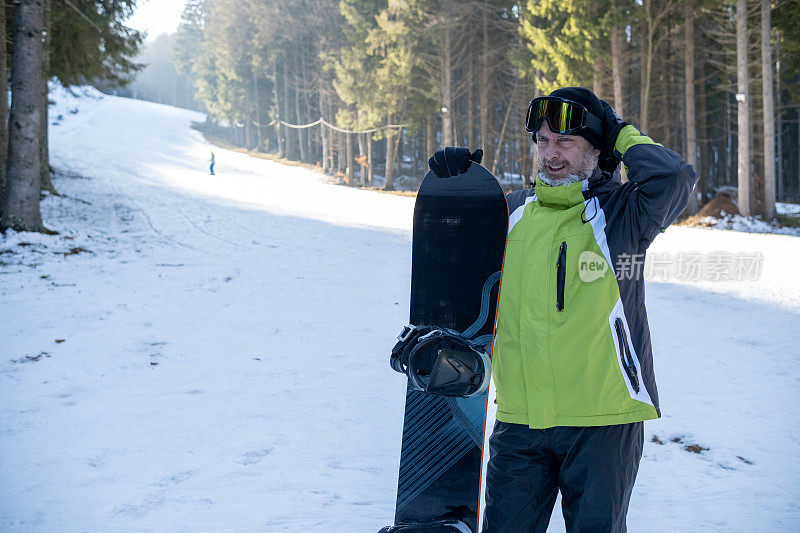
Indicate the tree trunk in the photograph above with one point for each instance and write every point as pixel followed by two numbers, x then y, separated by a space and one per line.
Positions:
pixel 323 132
pixel 691 115
pixel 597 72
pixel 398 152
pixel 279 137
pixel 485 88
pixel 348 179
pixel 306 117
pixel 661 119
pixel 370 173
pixel 300 132
pixel 3 109
pixel 743 97
pixel 537 92
pixel 533 153
pixel 430 141
pixel 257 104
pixel 389 174
pixel 456 139
pixel 470 106
pixel 616 68
pixel 340 161
pixel 769 112
pixel 398 147
pixel 705 174
pixel 617 41
pixel 331 133
pixel 447 104
pixel 729 162
pixel 647 66
pixel 505 123
pixel 45 182
pixel 24 148
pixel 288 133
pixel 362 151
pixel 779 120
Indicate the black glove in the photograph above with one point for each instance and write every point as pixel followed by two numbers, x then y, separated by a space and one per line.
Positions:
pixel 607 162
pixel 612 124
pixel 452 161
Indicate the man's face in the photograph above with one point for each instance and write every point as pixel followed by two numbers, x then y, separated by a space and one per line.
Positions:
pixel 561 156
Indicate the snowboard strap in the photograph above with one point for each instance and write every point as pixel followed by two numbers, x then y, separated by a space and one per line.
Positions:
pixel 405 340
pixel 484 314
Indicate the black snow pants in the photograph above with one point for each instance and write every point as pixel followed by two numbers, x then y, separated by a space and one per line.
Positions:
pixel 593 467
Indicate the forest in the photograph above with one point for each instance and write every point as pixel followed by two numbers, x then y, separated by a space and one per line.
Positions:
pixel 716 80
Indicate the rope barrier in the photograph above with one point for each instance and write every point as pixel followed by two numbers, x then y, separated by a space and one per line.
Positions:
pixel 300 126
pixel 329 125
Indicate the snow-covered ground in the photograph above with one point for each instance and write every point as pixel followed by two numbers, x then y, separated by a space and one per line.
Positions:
pixel 209 353
pixel 787 209
pixel 752 224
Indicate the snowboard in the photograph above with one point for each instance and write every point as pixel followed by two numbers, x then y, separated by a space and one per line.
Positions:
pixel 459 234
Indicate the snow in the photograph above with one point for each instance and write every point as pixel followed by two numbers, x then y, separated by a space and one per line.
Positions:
pixel 749 224
pixel 225 349
pixel 787 209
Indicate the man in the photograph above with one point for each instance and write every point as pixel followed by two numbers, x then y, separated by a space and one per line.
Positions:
pixel 571 360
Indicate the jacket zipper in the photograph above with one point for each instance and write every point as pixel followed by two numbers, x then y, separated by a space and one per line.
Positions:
pixel 625 355
pixel 561 275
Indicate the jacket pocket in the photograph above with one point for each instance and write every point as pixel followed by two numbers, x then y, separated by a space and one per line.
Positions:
pixel 625 355
pixel 561 276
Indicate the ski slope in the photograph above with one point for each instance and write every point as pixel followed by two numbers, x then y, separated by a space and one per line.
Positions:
pixel 209 353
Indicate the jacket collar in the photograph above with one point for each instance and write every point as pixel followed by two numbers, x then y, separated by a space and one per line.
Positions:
pixel 560 196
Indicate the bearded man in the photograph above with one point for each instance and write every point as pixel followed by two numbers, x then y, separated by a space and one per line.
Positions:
pixel 571 360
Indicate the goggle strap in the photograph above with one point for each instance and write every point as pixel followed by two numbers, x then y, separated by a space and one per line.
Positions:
pixel 592 122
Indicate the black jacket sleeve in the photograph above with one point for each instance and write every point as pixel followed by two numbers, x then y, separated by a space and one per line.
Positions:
pixel 660 182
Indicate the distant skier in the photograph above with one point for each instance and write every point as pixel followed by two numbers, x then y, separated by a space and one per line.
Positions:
pixel 211 168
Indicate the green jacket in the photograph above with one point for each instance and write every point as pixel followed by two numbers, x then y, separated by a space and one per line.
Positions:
pixel 572 344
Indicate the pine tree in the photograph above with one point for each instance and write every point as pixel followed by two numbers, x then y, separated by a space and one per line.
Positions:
pixel 563 37
pixel 90 41
pixel 79 46
pixel 376 73
pixel 186 49
pixel 365 63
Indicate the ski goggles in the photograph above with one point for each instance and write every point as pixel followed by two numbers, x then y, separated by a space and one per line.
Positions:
pixel 563 116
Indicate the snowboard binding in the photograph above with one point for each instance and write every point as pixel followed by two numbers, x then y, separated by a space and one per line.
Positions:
pixel 441 361
pixel 439 526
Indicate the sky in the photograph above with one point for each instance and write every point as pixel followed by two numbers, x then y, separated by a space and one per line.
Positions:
pixel 157 16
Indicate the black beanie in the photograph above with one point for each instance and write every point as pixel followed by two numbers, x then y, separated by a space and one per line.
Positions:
pixel 591 102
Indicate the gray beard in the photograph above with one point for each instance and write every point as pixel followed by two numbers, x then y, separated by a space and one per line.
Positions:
pixel 588 166
pixel 566 180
